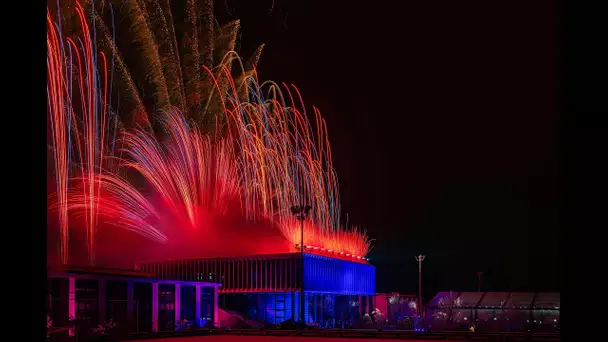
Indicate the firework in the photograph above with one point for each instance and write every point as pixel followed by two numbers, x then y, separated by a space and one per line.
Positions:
pixel 193 175
pixel 187 171
pixel 59 115
pixel 80 120
pixel 160 52
pixel 219 139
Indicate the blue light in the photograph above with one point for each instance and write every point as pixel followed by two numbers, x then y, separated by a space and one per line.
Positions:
pixel 328 275
pixel 272 308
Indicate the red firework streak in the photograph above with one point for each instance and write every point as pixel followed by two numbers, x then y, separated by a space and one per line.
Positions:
pixel 267 156
pixel 66 57
pixel 59 120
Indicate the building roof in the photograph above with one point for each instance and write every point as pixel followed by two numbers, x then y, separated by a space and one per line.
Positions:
pixel 101 271
pixel 547 300
pixel 97 273
pixel 469 299
pixel 494 299
pixel 522 300
pixel 295 255
pixel 505 300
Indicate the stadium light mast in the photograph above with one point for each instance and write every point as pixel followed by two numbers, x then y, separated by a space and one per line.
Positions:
pixel 420 259
pixel 301 212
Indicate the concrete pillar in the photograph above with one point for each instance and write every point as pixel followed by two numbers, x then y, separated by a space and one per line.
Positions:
pixel 360 300
pixel 295 305
pixel 316 301
pixel 291 299
pixel 154 307
pixel 362 305
pixel 306 307
pixel 197 315
pixel 313 313
pixel 333 310
pixel 178 292
pixel 130 304
pixel 374 303
pixel 216 314
pixel 71 301
pixel 258 306
pixel 101 301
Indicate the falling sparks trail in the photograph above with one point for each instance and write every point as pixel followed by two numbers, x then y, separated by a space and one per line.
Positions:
pixel 77 122
pixel 247 143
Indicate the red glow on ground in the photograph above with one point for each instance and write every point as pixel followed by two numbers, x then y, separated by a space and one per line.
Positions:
pixel 234 338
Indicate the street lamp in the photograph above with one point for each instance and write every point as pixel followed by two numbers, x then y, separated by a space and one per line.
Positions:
pixel 301 212
pixel 420 258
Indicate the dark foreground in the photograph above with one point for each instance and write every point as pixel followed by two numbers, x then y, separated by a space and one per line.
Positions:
pixel 243 338
pixel 325 335
pixel 331 335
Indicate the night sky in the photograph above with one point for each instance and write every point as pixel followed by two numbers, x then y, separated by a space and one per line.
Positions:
pixel 443 119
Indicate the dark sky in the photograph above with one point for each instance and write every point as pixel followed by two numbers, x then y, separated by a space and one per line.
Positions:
pixel 443 118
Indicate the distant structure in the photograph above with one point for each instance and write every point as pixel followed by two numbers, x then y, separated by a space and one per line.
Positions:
pixel 495 311
pixel 395 306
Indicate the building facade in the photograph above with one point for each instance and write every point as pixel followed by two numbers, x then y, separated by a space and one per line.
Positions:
pixel 267 288
pixel 135 301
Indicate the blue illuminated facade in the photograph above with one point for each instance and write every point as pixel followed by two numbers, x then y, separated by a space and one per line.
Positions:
pixel 267 288
pixel 324 309
pixel 340 277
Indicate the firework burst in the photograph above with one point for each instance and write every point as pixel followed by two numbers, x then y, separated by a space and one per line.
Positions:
pixel 160 53
pixel 79 117
pixel 59 115
pixel 218 138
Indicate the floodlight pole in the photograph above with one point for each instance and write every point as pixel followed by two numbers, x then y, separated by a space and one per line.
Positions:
pixel 420 258
pixel 301 212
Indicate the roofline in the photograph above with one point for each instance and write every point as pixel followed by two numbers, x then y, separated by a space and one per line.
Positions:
pixel 504 306
pixel 497 308
pixel 242 257
pixel 295 255
pixel 127 279
pixel 79 269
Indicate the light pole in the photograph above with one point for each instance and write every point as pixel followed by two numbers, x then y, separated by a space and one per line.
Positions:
pixel 301 212
pixel 420 258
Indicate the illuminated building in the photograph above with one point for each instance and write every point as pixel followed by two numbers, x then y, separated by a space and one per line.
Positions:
pixel 267 288
pixel 136 301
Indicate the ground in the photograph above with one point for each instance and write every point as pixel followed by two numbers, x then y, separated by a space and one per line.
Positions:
pixel 258 338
